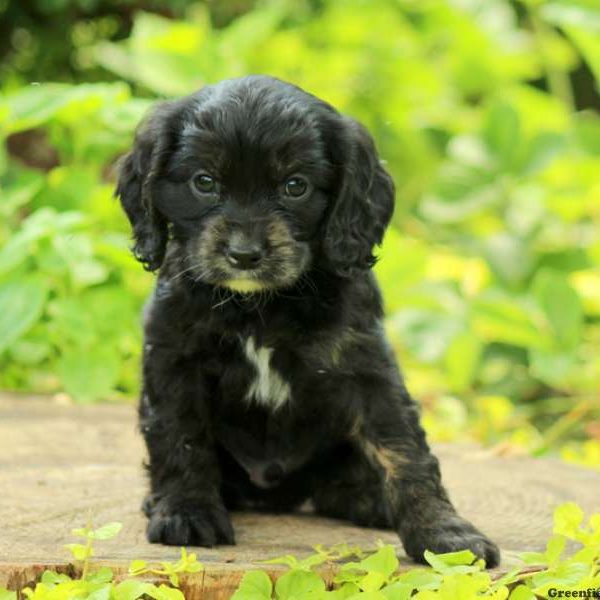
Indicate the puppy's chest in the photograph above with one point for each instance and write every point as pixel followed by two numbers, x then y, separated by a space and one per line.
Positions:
pixel 267 387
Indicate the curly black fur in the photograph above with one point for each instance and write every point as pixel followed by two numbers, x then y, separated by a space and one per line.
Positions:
pixel 270 383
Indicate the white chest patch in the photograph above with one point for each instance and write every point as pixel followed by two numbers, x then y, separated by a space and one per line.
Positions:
pixel 268 387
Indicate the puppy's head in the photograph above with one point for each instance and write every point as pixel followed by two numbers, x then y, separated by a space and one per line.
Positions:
pixel 254 182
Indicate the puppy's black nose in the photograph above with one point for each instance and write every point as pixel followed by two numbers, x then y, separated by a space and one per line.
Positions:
pixel 244 257
pixel 273 473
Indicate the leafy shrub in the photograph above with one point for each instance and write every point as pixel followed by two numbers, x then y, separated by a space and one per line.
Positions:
pixel 371 576
pixel 101 584
pixel 70 292
pixel 490 273
pixel 451 576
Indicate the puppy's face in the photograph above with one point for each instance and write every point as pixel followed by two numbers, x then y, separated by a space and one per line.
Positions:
pixel 246 190
pixel 256 181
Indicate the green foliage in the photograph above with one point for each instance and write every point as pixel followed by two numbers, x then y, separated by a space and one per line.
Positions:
pixel 490 272
pixel 370 576
pixel 101 584
pixel 84 552
pixel 70 293
pixel 186 564
pixel 451 576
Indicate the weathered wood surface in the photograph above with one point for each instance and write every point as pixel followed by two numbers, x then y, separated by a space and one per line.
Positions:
pixel 59 464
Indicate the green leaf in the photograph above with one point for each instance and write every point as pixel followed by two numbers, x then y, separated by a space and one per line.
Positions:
pixel 89 374
pixel 131 589
pixel 34 105
pixel 106 532
pixel 193 565
pixel 554 549
pixel 522 592
pixel 251 29
pixel 506 579
pixel 461 360
pixel 157 46
pixel 552 367
pixel 421 579
pixel 461 193
pixel 384 561
pixel 81 531
pixel 426 333
pixel 561 305
pixel 568 518
pixel 79 551
pixel 452 562
pixel 165 592
pixel 288 559
pixel 102 592
pixel 30 351
pixel 7 594
pixel 52 578
pixel 76 252
pixel 255 585
pixel 540 151
pixel 566 574
pixel 43 223
pixel 397 591
pixel 298 582
pixel 373 595
pixel 502 133
pixel 343 592
pixel 102 575
pixel 587 131
pixel 533 558
pixel 566 260
pixel 502 318
pixel 372 581
pixel 509 258
pixel 136 566
pixel 583 14
pixel 20 192
pixel 21 305
pixel 451 559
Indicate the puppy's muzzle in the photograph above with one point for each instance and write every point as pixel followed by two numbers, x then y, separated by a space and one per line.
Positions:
pixel 267 475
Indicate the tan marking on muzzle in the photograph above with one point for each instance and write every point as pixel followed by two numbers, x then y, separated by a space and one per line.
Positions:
pixel 280 239
pixel 243 286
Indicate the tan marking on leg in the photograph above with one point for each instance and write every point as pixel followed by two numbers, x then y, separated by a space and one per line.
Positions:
pixel 389 459
pixel 386 458
pixel 356 428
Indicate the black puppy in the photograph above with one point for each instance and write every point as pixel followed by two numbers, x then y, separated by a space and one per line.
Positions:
pixel 267 376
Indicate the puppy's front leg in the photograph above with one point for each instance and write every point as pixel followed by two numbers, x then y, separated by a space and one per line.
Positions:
pixel 394 442
pixel 185 505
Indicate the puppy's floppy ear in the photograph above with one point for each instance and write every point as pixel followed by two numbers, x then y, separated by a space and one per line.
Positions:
pixel 364 202
pixel 137 172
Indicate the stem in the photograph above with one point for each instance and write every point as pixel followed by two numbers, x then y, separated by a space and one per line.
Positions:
pixel 86 560
pixel 558 80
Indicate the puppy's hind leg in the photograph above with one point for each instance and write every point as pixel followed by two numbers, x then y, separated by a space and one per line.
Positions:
pixel 348 487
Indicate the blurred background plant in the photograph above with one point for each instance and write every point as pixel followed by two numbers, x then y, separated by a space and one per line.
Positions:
pixel 486 111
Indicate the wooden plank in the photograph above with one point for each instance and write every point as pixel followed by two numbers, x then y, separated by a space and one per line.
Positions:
pixel 61 463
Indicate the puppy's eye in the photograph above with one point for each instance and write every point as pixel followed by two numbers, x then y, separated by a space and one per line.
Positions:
pixel 204 183
pixel 296 187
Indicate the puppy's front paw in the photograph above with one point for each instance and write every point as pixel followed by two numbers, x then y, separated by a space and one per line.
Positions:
pixel 191 523
pixel 148 504
pixel 450 533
